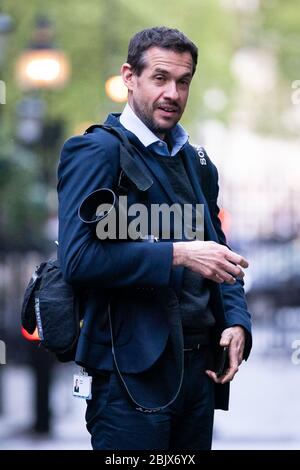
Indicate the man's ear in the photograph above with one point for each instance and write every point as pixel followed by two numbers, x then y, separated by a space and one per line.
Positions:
pixel 127 75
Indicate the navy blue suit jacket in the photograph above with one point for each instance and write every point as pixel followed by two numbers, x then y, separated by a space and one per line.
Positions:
pixel 136 278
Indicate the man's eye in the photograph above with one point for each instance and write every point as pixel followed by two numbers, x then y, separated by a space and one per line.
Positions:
pixel 159 78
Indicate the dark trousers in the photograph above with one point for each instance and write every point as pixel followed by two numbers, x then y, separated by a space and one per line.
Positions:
pixel 115 424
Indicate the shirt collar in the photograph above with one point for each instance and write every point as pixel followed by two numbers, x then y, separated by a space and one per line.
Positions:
pixel 133 123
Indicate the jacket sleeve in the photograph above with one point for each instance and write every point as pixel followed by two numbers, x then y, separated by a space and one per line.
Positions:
pixel 88 163
pixel 234 300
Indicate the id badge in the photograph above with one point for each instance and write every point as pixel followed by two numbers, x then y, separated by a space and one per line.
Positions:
pixel 82 386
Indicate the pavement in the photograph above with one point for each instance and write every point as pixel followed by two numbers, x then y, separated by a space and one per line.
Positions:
pixel 264 409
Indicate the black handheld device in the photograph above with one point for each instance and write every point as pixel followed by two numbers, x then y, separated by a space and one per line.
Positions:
pixel 222 363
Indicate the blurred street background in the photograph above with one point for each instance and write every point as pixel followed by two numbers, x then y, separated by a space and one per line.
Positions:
pixel 59 73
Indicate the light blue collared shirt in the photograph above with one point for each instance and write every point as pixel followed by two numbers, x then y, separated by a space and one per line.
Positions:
pixel 132 123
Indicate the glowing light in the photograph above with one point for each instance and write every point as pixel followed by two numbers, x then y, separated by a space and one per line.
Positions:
pixel 115 89
pixel 47 68
pixel 43 69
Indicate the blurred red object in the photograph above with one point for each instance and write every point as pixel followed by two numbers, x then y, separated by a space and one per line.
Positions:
pixel 225 218
pixel 29 337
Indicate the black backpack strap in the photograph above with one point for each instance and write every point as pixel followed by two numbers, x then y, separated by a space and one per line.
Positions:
pixel 129 165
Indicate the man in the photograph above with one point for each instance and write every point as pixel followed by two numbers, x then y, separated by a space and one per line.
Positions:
pixel 76 386
pixel 156 314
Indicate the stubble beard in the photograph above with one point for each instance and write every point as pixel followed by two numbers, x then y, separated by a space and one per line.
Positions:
pixel 145 114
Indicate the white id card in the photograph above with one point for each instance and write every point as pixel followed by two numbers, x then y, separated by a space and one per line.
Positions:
pixel 82 386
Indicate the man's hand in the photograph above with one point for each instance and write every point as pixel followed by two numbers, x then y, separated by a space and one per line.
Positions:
pixel 234 338
pixel 210 259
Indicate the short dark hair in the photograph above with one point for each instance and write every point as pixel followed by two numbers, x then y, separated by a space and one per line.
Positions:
pixel 163 37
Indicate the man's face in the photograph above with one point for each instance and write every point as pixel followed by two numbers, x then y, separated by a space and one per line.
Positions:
pixel 159 95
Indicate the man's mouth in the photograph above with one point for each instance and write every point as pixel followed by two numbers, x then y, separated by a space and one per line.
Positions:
pixel 168 109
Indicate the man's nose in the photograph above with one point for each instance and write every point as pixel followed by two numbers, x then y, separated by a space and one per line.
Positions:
pixel 171 91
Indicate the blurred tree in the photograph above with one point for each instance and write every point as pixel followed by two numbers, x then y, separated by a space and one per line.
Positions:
pixel 95 36
pixel 22 201
pixel 95 33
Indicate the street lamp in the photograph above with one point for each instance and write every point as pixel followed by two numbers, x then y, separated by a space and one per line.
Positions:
pixel 38 69
pixel 42 66
pixel 115 89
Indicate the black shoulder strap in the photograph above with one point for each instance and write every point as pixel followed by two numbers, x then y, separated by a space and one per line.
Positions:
pixel 129 165
pixel 205 172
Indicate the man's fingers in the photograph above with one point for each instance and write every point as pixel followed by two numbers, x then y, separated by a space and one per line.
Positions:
pixel 222 276
pixel 237 259
pixel 244 263
pixel 230 373
pixel 227 377
pixel 225 340
pixel 213 376
pixel 212 260
pixel 227 272
pixel 233 338
pixel 233 269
